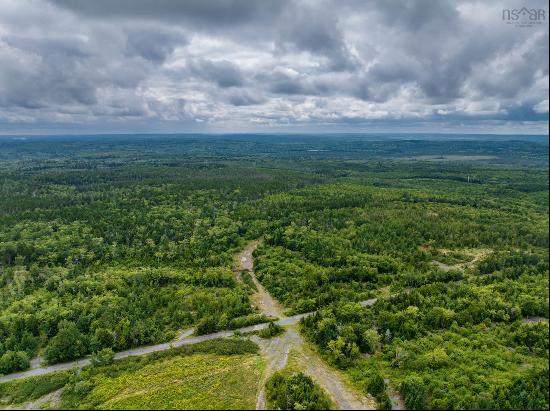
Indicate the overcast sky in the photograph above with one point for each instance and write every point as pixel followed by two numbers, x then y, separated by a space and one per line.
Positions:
pixel 262 66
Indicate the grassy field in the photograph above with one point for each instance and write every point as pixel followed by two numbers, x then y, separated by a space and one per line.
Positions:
pixel 217 374
pixel 202 381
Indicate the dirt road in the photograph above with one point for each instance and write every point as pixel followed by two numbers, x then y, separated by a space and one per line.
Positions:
pixel 262 299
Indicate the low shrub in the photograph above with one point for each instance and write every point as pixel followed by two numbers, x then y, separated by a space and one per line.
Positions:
pixel 295 392
pixel 272 330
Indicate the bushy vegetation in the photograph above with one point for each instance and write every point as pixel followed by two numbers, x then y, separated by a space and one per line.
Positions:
pixel 247 279
pixel 12 361
pixel 377 388
pixel 272 330
pixel 105 356
pixel 460 265
pixel 295 392
pixel 32 388
pixel 117 242
pixel 348 242
pixel 98 251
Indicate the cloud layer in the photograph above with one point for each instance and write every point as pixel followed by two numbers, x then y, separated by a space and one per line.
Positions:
pixel 237 65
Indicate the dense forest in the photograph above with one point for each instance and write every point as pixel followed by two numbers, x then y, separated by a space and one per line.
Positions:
pixel 112 242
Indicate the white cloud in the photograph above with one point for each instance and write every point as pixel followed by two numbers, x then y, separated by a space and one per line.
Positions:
pixel 541 107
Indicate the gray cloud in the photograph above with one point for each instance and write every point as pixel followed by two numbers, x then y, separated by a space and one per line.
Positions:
pixel 250 64
pixel 198 12
pixel 316 30
pixel 283 83
pixel 153 45
pixel 31 80
pixel 223 73
pixel 420 15
pixel 244 98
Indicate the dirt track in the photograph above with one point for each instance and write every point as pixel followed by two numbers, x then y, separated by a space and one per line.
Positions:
pixel 262 299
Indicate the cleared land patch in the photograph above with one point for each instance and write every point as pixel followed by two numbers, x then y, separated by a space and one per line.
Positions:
pixel 217 374
pixel 202 381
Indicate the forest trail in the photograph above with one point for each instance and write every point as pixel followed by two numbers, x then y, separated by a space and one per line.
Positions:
pixel 275 350
pixel 262 299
